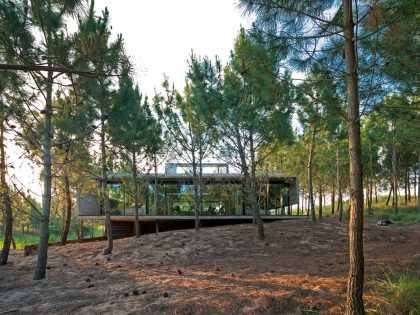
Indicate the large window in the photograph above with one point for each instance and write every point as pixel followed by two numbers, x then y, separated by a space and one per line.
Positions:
pixel 121 198
pixel 178 199
pixel 277 199
pixel 226 198
pixel 222 199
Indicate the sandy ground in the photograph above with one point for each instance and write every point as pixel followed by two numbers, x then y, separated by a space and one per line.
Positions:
pixel 300 268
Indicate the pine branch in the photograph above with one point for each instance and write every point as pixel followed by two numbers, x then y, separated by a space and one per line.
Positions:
pixel 26 68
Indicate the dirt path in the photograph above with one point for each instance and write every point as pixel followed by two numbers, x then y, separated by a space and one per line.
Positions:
pixel 300 268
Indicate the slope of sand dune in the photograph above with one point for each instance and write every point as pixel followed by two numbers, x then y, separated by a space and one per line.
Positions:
pixel 300 268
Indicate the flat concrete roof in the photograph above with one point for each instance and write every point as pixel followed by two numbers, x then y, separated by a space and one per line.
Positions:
pixel 189 217
pixel 225 177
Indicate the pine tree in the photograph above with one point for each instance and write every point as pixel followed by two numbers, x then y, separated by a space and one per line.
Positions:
pixel 298 28
pixel 254 112
pixel 107 58
pixel 135 130
pixel 48 18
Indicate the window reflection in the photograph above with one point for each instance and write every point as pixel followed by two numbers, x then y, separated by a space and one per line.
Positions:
pixel 222 199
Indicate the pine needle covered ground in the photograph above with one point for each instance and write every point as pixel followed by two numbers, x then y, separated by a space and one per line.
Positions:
pixel 300 268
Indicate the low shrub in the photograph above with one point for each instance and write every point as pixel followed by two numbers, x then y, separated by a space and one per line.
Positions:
pixel 401 290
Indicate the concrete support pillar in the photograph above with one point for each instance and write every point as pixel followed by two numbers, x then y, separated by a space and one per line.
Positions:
pixel 157 226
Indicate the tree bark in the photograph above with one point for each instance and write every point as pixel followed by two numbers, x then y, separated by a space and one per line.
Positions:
pixel 370 181
pixel 394 170
pixel 156 187
pixel 250 184
pixel 200 177
pixel 310 177
pixel 320 203
pixel 136 197
pixel 333 200
pixel 307 206
pixel 418 181
pixel 7 204
pixel 390 192
pixel 104 196
pixel 298 206
pixel 196 192
pixel 340 193
pixel 49 68
pixel 253 189
pixel 13 242
pixel 68 206
pixel 44 231
pixel 406 186
pixel 340 207
pixel 354 303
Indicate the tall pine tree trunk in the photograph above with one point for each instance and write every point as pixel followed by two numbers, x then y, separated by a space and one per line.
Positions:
pixel 406 187
pixel 200 178
pixel 310 176
pixel 252 197
pixel 253 189
pixel 250 184
pixel 333 199
pixel 196 192
pixel 418 181
pixel 68 205
pixel 340 193
pixel 394 170
pixel 340 207
pixel 298 205
pixel 320 203
pixel 370 181
pixel 44 230
pixel 307 206
pixel 356 259
pixel 408 184
pixel 104 183
pixel 7 204
pixel 136 196
pixel 390 192
pixel 156 186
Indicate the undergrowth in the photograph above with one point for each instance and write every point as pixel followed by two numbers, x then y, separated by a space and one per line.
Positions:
pixel 406 214
pixel 400 291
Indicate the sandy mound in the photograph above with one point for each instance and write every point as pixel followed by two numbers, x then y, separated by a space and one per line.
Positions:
pixel 300 268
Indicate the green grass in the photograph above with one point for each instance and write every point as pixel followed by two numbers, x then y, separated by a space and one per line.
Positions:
pixel 409 214
pixel 401 291
pixel 25 239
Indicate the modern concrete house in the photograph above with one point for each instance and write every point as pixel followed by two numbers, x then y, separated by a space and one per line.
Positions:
pixel 167 199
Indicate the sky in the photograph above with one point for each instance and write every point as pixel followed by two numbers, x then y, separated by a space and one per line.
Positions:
pixel 159 36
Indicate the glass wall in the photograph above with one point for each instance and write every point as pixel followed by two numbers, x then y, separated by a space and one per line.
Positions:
pixel 121 198
pixel 222 199
pixel 276 199
pixel 178 199
pixel 218 199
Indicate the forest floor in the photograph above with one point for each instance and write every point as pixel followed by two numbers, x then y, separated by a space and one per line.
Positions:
pixel 300 268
